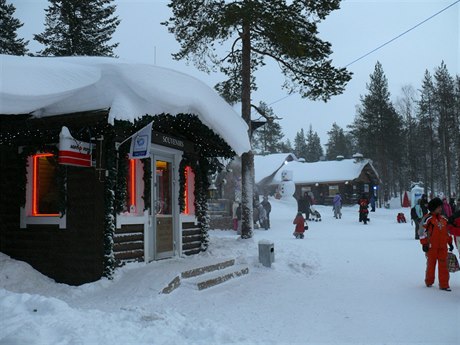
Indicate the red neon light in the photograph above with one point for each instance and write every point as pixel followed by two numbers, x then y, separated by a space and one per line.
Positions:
pixel 36 186
pixel 187 206
pixel 132 177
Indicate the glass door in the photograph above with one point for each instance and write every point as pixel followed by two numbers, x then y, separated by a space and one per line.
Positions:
pixel 163 202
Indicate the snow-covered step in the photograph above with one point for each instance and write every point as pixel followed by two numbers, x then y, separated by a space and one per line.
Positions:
pixel 206 269
pixel 218 277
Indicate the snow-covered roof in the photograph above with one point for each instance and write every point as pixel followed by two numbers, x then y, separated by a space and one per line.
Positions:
pixel 266 165
pixel 46 86
pixel 324 171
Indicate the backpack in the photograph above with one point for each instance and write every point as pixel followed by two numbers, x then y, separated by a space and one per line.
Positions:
pixel 413 213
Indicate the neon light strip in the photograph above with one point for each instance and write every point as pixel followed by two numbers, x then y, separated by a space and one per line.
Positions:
pixel 187 171
pixel 35 187
pixel 132 165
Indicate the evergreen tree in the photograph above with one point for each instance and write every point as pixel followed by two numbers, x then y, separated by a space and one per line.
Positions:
pixel 444 96
pixel 338 143
pixel 10 44
pixel 406 107
pixel 267 139
pixel 300 144
pixel 457 137
pixel 285 31
pixel 82 27
pixel 426 129
pixel 378 130
pixel 286 147
pixel 314 148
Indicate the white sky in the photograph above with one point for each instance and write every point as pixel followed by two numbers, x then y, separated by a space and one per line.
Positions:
pixel 354 30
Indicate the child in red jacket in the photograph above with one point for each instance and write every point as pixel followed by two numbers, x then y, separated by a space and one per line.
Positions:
pixel 300 226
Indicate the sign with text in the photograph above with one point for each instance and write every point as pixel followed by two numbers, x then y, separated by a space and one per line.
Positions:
pixel 72 151
pixel 176 143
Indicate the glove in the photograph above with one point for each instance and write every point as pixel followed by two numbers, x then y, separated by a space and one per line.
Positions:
pixel 426 247
pixel 451 247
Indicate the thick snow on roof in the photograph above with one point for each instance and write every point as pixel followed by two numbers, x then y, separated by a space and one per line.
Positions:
pixel 266 165
pixel 325 171
pixel 62 85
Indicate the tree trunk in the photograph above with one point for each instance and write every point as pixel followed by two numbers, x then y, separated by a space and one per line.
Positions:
pixel 247 159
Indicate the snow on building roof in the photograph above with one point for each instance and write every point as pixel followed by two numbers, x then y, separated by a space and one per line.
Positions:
pixel 46 86
pixel 265 166
pixel 324 171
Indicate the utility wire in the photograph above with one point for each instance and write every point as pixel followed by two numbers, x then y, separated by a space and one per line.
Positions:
pixel 386 43
pixel 402 34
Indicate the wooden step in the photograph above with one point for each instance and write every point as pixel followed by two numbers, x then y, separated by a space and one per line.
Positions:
pixel 221 276
pixel 206 269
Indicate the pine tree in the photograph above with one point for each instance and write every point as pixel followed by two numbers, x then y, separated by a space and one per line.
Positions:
pixel 457 137
pixel 285 31
pixel 444 96
pixel 314 148
pixel 338 143
pixel 427 125
pixel 82 27
pixel 300 144
pixel 10 44
pixel 286 147
pixel 377 129
pixel 267 139
pixel 406 107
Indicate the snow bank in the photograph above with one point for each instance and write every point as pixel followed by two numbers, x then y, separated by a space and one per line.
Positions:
pixel 345 283
pixel 52 86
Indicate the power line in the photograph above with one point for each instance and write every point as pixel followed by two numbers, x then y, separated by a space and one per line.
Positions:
pixel 402 34
pixel 386 43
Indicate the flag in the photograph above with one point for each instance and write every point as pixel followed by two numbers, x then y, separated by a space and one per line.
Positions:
pixel 140 143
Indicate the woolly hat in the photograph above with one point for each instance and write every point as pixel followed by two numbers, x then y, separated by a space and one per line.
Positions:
pixel 434 204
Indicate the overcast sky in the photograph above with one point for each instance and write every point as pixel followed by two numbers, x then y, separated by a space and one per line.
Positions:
pixel 354 30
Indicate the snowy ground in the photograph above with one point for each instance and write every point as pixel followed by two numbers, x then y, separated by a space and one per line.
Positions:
pixel 345 283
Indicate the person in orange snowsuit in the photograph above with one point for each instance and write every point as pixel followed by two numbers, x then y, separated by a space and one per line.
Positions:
pixel 434 239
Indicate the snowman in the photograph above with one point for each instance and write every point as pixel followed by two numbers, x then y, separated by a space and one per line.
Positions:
pixel 287 186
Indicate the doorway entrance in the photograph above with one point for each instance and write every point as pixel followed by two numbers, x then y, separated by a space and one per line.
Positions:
pixel 162 236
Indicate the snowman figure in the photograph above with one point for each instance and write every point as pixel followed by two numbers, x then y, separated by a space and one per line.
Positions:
pixel 287 186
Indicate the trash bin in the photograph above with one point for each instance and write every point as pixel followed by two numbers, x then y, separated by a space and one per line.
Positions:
pixel 266 253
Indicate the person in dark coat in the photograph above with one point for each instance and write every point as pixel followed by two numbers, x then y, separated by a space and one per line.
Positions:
pixel 268 208
pixel 424 204
pixel 303 205
pixel 363 209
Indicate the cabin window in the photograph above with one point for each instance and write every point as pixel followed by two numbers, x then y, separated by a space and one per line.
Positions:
pixel 189 191
pixel 333 190
pixel 135 187
pixel 132 192
pixel 42 192
pixel 45 192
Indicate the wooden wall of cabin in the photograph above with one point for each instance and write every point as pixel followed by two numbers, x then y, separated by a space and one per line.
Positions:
pixel 73 255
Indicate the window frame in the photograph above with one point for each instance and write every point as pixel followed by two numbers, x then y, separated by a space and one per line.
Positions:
pixel 27 216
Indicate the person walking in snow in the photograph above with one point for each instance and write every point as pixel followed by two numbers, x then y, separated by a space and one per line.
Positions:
pixel 234 215
pixel 262 216
pixel 417 215
pixel 268 208
pixel 446 209
pixel 363 209
pixel 303 205
pixel 453 227
pixel 434 240
pixel 300 225
pixel 424 204
pixel 337 205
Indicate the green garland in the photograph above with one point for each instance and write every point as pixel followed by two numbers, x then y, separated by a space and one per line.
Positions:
pixel 110 202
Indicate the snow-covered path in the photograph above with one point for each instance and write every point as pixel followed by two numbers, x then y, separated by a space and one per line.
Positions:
pixel 345 283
